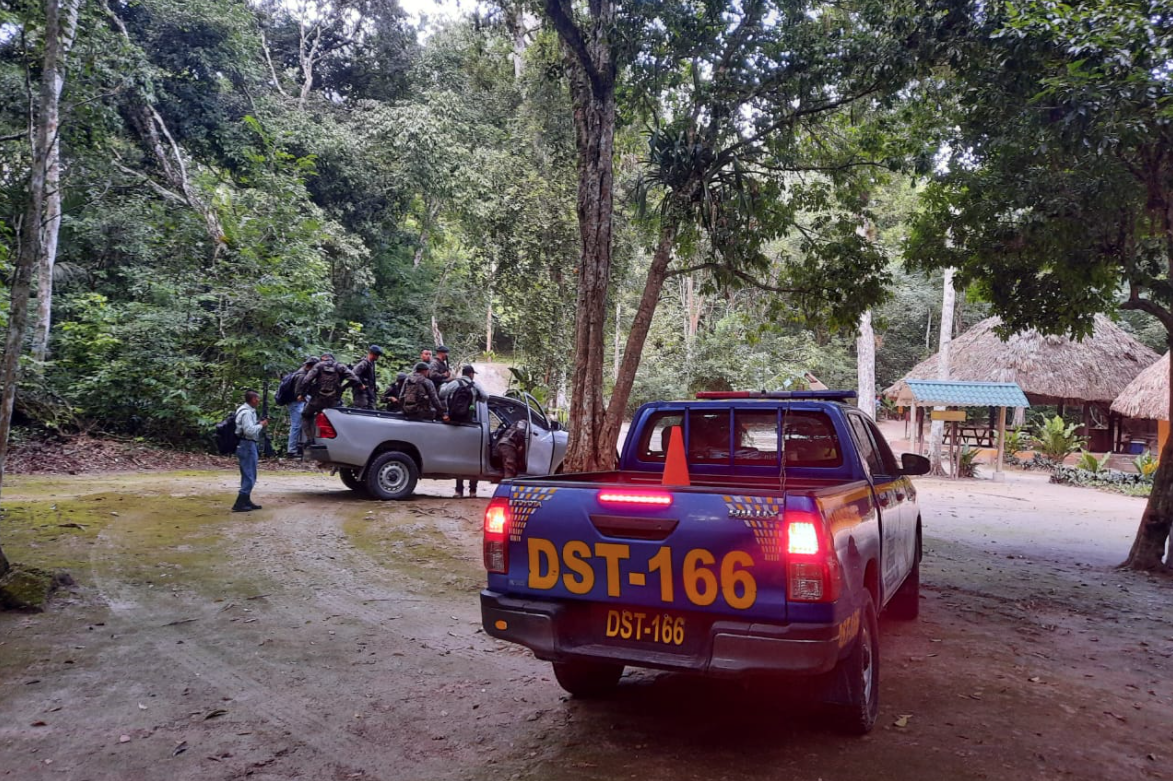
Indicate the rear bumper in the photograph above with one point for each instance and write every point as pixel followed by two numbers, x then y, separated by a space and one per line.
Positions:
pixel 553 632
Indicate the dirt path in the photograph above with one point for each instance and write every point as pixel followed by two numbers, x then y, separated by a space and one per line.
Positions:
pixel 327 637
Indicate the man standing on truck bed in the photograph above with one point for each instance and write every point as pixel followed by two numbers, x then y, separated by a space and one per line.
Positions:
pixel 365 370
pixel 324 385
pixel 439 372
pixel 420 400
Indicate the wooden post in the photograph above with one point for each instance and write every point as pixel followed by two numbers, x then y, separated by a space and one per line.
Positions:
pixel 999 475
pixel 954 450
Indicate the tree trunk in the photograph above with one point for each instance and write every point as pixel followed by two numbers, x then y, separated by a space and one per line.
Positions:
pixel 937 432
pixel 618 353
pixel 638 334
pixel 1151 537
pixel 60 26
pixel 865 365
pixel 51 228
pixel 592 86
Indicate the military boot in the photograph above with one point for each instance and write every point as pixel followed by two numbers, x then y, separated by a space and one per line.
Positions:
pixel 243 505
pixel 248 499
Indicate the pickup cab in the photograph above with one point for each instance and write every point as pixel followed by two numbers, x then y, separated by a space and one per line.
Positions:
pixel 744 534
pixel 383 454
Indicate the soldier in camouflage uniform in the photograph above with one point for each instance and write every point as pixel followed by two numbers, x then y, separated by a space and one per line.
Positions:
pixel 419 399
pixel 510 448
pixel 324 384
pixel 365 371
pixel 439 372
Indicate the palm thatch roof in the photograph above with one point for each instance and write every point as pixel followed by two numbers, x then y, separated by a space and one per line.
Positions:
pixel 1049 369
pixel 1148 395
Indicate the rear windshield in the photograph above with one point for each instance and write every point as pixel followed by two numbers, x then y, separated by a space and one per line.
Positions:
pixel 744 437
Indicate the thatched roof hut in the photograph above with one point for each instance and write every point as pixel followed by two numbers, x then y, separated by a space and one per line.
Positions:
pixel 1050 369
pixel 1148 395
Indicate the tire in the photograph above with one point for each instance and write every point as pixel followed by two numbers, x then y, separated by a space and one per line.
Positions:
pixel 860 671
pixel 587 680
pixel 905 603
pixel 351 480
pixel 392 475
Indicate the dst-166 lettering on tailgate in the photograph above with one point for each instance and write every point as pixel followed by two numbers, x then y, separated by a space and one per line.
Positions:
pixel 704 577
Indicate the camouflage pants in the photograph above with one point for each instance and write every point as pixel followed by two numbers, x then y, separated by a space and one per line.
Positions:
pixel 364 399
pixel 510 458
pixel 315 405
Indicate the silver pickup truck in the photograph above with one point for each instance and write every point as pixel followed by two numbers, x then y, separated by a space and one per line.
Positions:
pixel 384 454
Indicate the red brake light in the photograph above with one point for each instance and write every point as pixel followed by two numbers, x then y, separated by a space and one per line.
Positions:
pixel 802 538
pixel 496 547
pixel 812 569
pixel 637 498
pixel 325 429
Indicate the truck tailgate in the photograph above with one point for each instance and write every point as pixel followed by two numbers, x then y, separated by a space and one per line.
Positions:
pixel 616 549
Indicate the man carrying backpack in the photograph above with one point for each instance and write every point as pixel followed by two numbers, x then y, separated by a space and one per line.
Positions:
pixel 365 371
pixel 460 397
pixel 323 386
pixel 510 448
pixel 287 396
pixel 248 430
pixel 420 400
pixel 394 392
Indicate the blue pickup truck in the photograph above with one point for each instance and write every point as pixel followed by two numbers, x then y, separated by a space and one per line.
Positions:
pixel 744 534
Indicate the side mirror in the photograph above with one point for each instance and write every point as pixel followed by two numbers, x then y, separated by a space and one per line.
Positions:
pixel 555 425
pixel 912 464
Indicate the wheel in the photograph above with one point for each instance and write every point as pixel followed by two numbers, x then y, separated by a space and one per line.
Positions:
pixel 860 672
pixel 392 475
pixel 586 680
pixel 351 480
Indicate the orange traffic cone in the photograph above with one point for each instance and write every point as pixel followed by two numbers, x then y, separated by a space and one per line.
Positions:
pixel 676 465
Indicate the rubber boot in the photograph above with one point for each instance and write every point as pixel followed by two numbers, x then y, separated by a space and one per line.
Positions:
pixel 248 499
pixel 243 505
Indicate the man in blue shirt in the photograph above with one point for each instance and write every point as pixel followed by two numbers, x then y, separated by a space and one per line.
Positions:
pixel 249 429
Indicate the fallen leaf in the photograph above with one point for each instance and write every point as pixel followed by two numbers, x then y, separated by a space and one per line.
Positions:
pixel 179 749
pixel 902 721
pixel 40 724
pixel 215 714
pixel 1035 679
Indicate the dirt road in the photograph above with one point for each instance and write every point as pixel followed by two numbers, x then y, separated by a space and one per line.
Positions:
pixel 327 637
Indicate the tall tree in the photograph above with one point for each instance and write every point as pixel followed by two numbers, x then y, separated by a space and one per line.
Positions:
pixel 591 59
pixel 944 343
pixel 60 27
pixel 1058 191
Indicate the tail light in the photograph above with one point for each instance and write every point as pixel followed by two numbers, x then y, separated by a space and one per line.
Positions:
pixel 325 428
pixel 497 520
pixel 636 498
pixel 812 568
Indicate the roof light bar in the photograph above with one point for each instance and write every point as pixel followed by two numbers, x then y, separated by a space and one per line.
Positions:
pixel 826 395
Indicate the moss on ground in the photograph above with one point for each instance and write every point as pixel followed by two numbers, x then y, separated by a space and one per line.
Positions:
pixel 405 544
pixel 26 588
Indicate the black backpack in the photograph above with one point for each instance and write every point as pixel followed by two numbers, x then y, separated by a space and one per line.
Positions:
pixel 226 439
pixel 287 390
pixel 461 400
pixel 328 383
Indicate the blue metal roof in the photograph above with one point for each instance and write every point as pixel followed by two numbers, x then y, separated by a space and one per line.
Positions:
pixel 948 393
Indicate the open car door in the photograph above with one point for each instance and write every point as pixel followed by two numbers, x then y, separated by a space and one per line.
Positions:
pixel 539 449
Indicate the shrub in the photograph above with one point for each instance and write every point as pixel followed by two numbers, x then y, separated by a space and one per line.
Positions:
pixel 1146 464
pixel 1056 439
pixel 967 462
pixel 1089 463
pixel 1107 479
pixel 1017 440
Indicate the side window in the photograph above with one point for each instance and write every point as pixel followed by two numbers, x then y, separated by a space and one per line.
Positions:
pixel 890 466
pixel 755 437
pixel 811 440
pixel 863 441
pixel 708 436
pixel 653 444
